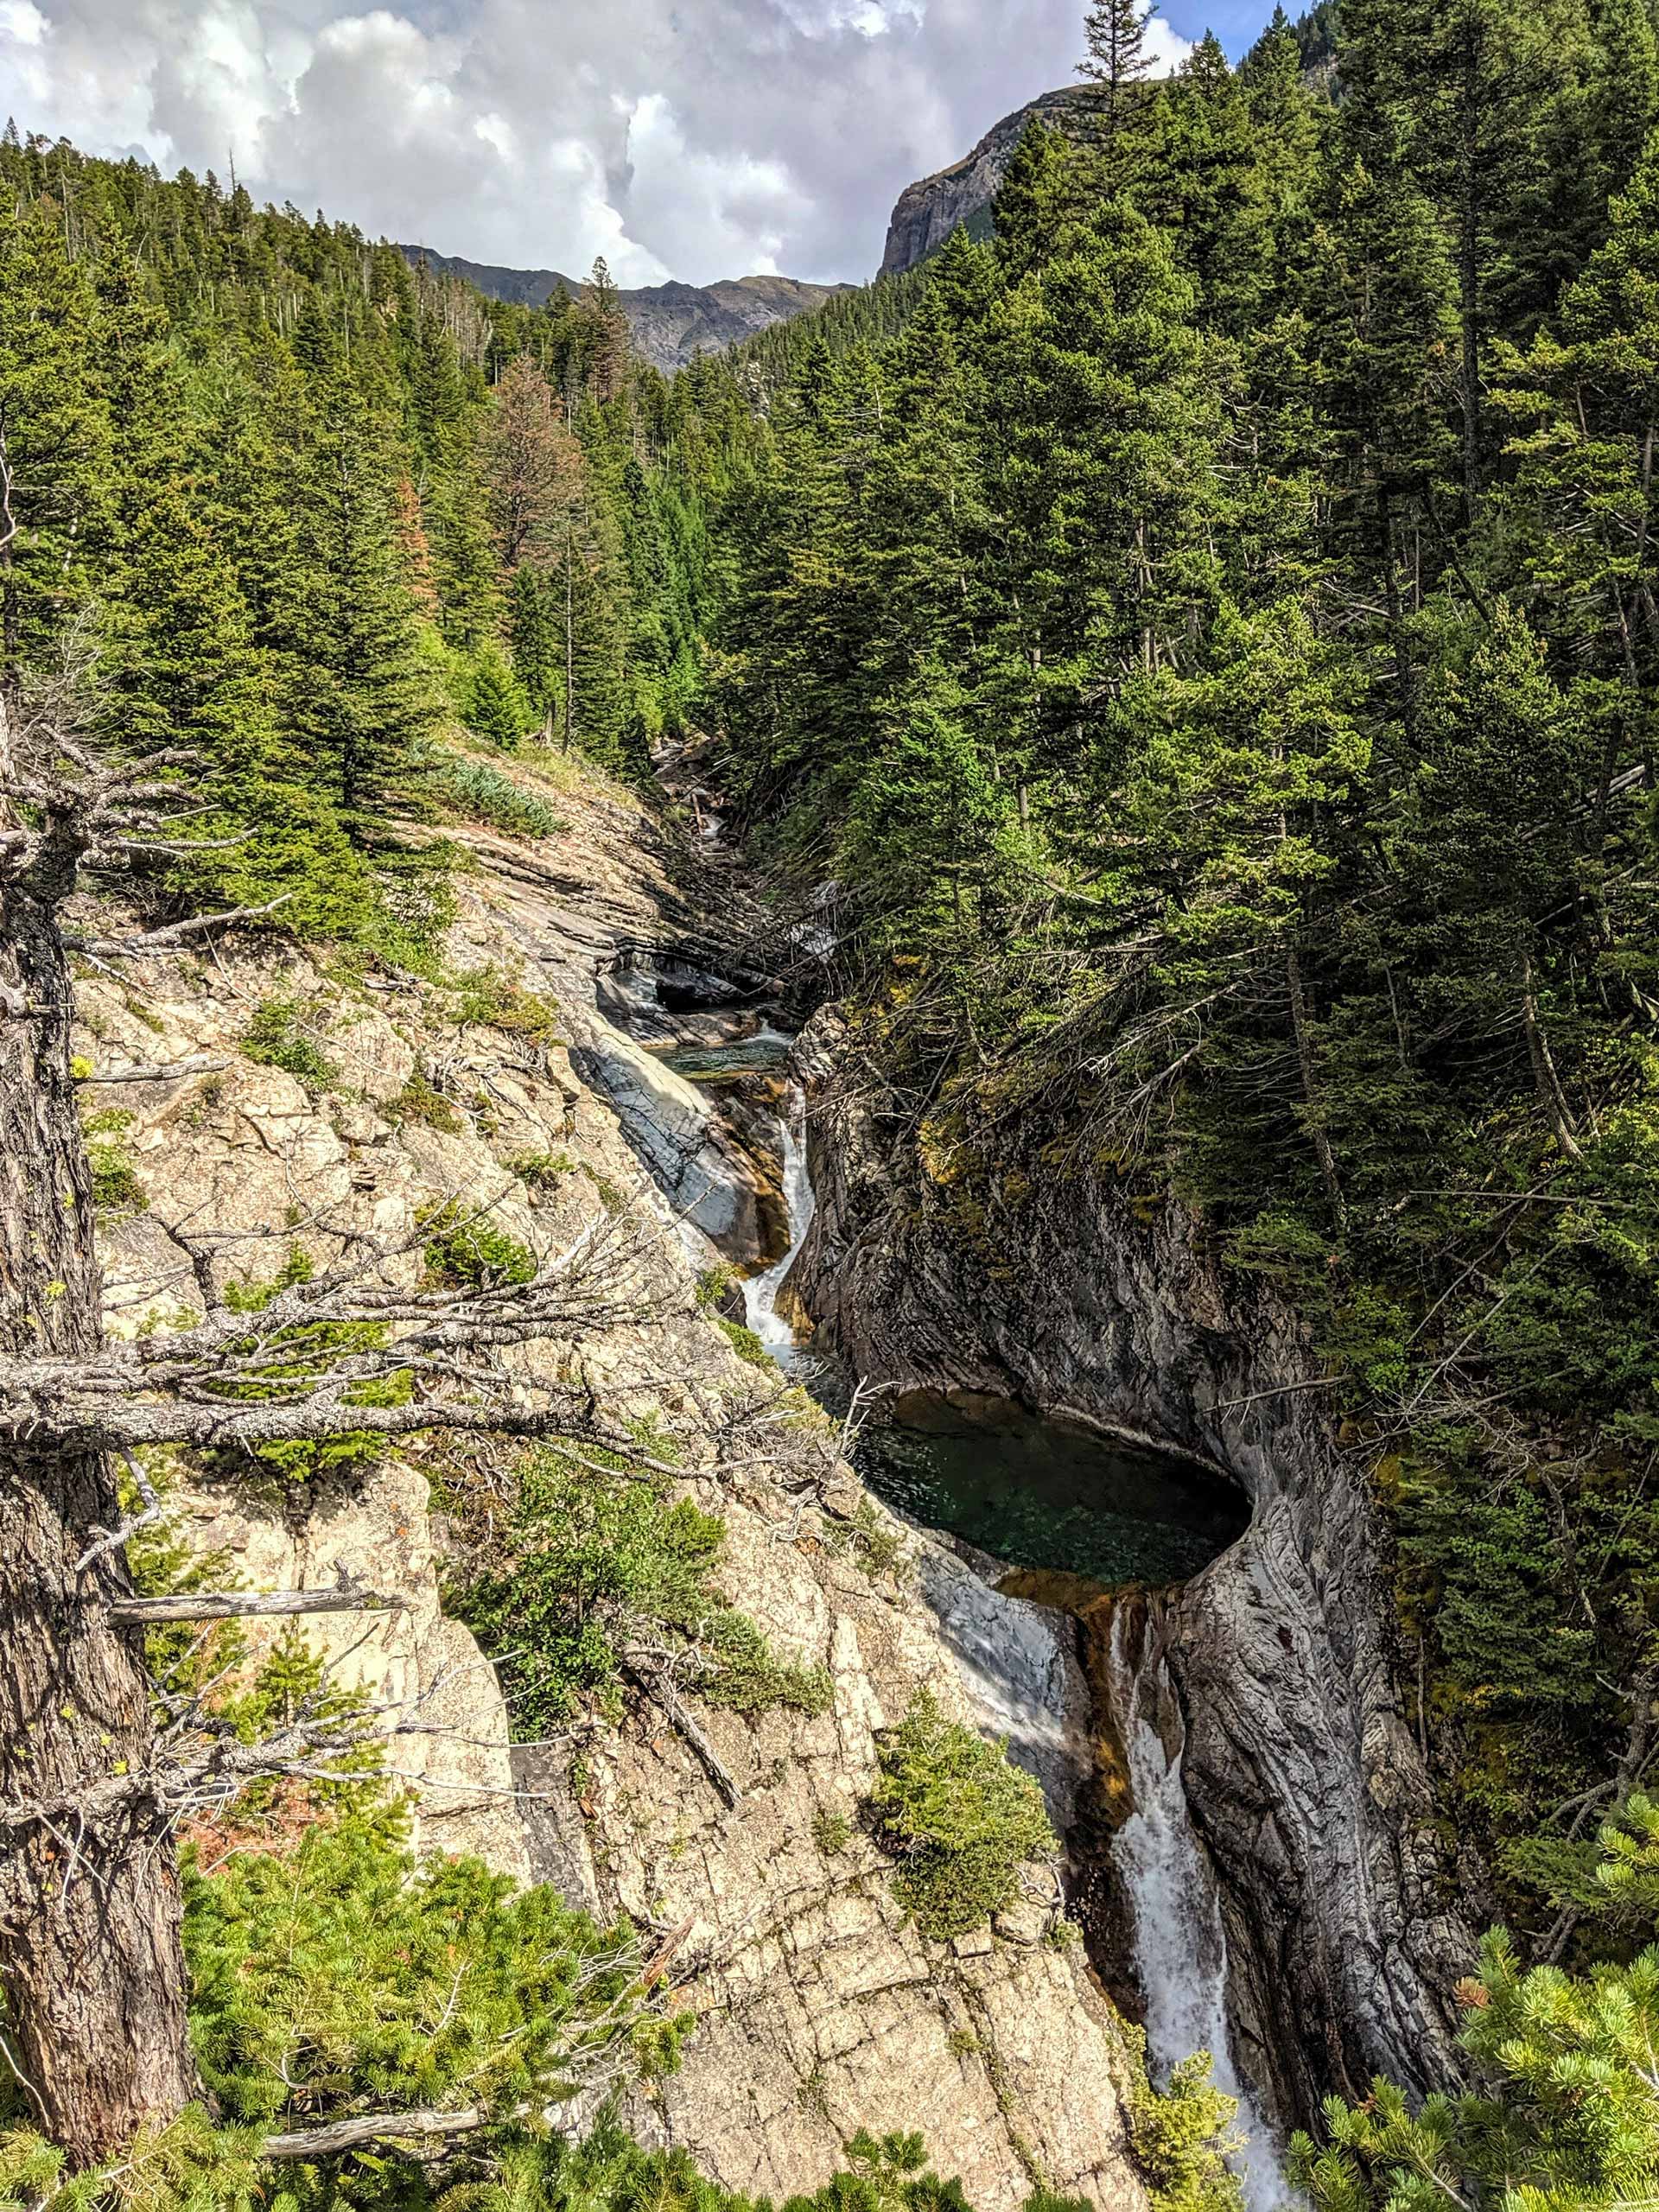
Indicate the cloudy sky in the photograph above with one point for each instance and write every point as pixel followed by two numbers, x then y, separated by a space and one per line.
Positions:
pixel 692 139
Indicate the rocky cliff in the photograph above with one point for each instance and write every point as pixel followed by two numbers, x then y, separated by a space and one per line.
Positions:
pixel 670 324
pixel 929 210
pixel 1303 1777
pixel 819 2010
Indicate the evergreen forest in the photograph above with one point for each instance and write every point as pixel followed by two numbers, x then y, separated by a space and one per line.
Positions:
pixel 1199 644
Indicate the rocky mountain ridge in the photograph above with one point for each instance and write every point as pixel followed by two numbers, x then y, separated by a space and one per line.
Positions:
pixel 670 324
pixel 928 210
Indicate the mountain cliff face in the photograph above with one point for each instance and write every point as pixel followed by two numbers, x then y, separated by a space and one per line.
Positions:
pixel 670 324
pixel 931 209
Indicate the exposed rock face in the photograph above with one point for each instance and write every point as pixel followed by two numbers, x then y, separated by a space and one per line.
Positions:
pixel 1302 1775
pixel 670 324
pixel 380 1532
pixel 819 2010
pixel 929 210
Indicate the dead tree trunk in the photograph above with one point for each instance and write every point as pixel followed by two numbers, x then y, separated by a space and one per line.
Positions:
pixel 89 1953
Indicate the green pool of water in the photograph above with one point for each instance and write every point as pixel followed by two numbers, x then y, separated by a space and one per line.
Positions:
pixel 1049 1494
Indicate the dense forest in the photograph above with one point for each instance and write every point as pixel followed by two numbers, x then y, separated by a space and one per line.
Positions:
pixel 1206 635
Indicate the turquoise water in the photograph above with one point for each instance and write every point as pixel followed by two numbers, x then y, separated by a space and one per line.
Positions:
pixel 1049 1494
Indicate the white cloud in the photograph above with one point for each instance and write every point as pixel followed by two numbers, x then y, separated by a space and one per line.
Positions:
pixel 700 137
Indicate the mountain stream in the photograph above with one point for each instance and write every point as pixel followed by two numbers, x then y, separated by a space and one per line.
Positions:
pixel 1082 1515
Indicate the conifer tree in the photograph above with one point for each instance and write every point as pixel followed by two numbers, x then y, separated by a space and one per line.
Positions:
pixel 358 693
pixel 1117 60
pixel 55 435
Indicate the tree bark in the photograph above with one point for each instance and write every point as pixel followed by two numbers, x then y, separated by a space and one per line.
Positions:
pixel 90 1952
pixel 1322 1152
pixel 1548 1084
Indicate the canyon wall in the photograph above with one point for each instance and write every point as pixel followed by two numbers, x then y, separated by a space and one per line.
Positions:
pixel 1343 1927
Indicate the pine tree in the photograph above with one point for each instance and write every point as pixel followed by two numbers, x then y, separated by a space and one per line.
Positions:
pixel 55 437
pixel 358 694
pixel 1116 62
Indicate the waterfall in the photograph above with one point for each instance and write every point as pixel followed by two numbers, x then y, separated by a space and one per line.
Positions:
pixel 760 1292
pixel 1180 1948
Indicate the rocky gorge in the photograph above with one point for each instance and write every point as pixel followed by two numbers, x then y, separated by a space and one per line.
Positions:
pixel 734 1841
pixel 1340 1898
pixel 1248 1821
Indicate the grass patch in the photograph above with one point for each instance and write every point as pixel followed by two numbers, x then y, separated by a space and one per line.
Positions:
pixel 472 790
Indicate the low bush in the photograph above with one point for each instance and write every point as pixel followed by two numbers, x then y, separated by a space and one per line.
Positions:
pixel 744 1342
pixel 599 1562
pixel 421 1101
pixel 957 1817
pixel 543 1171
pixel 465 1251
pixel 277 1040
pixel 489 998
pixel 116 1187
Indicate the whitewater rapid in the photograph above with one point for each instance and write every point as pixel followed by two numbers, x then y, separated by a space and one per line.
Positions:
pixel 1180 1947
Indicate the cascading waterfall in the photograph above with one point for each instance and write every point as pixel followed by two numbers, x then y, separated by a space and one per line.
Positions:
pixel 1180 1948
pixel 760 1292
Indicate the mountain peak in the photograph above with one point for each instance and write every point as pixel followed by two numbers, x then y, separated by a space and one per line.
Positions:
pixel 670 324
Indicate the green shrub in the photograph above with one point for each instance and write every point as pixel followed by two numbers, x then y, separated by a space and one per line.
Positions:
pixel 714 1283
pixel 543 1171
pixel 348 1975
pixel 274 1039
pixel 1182 2136
pixel 303 1352
pixel 873 1542
pixel 472 790
pixel 602 1561
pixel 489 999
pixel 831 1832
pixel 744 1342
pixel 745 1673
pixel 116 1187
pixel 959 1820
pixel 418 1100
pixel 466 1252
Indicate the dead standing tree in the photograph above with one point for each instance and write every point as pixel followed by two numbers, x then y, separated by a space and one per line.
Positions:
pixel 90 1955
